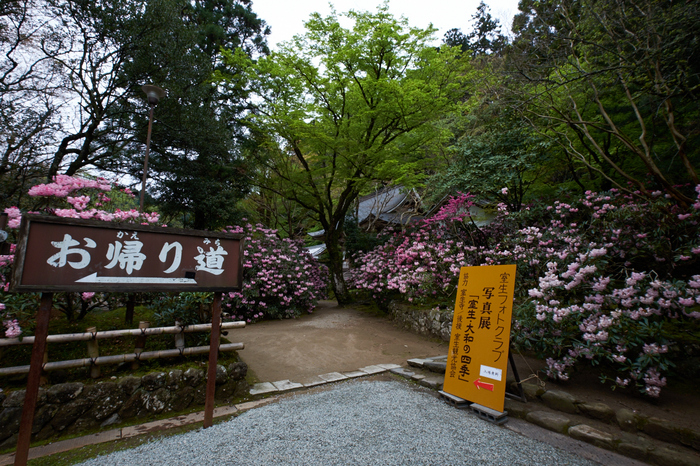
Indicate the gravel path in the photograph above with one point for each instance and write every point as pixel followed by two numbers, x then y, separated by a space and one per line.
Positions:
pixel 355 423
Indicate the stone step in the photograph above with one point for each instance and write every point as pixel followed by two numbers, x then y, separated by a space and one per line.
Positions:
pixel 631 434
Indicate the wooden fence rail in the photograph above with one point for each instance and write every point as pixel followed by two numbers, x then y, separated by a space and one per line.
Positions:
pixel 65 337
pixel 138 355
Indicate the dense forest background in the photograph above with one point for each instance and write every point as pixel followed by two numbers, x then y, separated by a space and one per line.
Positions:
pixel 578 96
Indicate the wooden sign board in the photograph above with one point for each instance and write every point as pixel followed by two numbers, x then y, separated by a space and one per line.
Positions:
pixel 477 361
pixel 62 254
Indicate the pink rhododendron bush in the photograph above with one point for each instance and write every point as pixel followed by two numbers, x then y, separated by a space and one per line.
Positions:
pixel 611 279
pixel 280 278
pixel 72 197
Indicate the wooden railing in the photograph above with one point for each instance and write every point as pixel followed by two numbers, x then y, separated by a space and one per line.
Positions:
pixel 94 360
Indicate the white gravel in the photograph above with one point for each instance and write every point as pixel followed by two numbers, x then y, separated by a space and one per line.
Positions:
pixel 353 423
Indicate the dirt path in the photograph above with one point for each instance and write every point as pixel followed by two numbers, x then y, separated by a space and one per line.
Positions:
pixel 331 339
pixel 334 339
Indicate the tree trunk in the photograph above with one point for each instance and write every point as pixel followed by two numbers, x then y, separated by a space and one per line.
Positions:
pixel 335 265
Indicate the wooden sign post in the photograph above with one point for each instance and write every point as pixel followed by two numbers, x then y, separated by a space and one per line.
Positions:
pixel 60 254
pixel 477 360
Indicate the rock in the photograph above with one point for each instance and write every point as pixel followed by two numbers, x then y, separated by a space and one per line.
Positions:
pixel 113 419
pixel 517 408
pixel 550 421
pixel 593 436
pixel 221 375
pixel 628 420
pixel 153 381
pixel 238 370
pixel 436 366
pixel 143 402
pixel 15 399
pixel 432 382
pixel 638 451
pixel 200 395
pixel 9 420
pixel 532 391
pixel 64 392
pixel 193 377
pixel 129 385
pixel 661 429
pixel 690 438
pixel 227 391
pixel 181 399
pixel 416 362
pixel 599 411
pixel 174 380
pixel 10 442
pixel 107 398
pixel 155 402
pixel 561 401
pixel 42 416
pixel 68 413
pixel 667 456
pixel 134 405
pixel 82 424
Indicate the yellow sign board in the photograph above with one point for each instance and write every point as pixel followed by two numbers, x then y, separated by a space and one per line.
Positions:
pixel 477 360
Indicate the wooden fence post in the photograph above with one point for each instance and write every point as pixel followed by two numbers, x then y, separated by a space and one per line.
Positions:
pixel 93 352
pixel 213 359
pixel 44 378
pixel 179 338
pixel 140 343
pixel 32 391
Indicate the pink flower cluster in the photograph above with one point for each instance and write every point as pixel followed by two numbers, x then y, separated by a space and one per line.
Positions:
pixel 12 329
pixel 62 204
pixel 281 279
pixel 599 278
pixel 63 185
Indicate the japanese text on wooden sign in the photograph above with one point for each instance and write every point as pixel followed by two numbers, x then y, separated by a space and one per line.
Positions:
pixel 59 254
pixel 477 360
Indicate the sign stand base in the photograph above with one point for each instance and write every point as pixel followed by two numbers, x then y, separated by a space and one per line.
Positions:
pixel 488 414
pixel 457 402
pixel 485 413
pixel 514 396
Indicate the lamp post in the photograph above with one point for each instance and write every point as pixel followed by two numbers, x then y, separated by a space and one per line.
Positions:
pixel 154 94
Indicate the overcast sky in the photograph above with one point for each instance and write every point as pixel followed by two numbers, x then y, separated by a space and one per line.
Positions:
pixel 286 17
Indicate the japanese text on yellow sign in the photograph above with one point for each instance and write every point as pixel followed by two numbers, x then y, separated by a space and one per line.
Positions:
pixel 477 360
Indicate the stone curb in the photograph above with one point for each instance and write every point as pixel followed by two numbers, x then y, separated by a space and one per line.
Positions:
pixel 649 439
pixel 133 431
pixel 266 388
pixel 644 438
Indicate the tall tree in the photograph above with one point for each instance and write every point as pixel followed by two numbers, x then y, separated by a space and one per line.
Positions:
pixel 95 40
pixel 29 104
pixel 197 167
pixel 614 84
pixel 485 37
pixel 77 104
pixel 346 107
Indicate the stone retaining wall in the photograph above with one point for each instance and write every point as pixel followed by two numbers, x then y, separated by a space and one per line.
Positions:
pixel 75 407
pixel 435 323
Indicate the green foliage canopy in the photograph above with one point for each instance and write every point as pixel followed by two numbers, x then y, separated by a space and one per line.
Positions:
pixel 614 84
pixel 342 108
